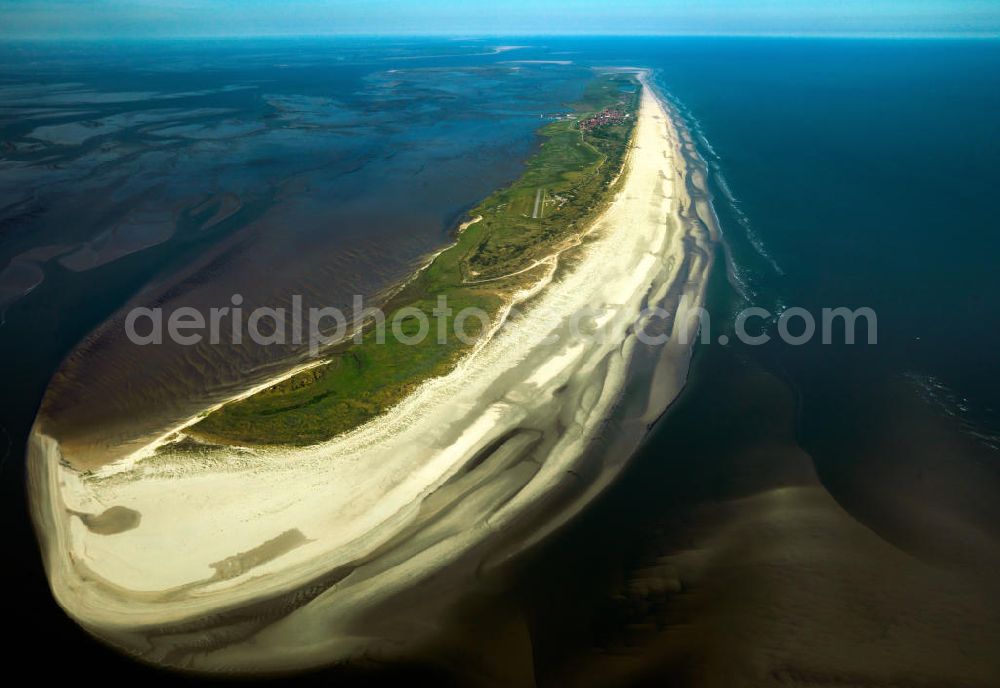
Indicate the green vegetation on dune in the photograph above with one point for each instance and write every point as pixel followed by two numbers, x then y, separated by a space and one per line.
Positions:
pixel 563 185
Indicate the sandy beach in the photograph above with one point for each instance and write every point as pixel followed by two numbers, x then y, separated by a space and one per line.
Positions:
pixel 266 560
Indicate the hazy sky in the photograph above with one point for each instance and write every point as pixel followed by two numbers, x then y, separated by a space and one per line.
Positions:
pixel 142 18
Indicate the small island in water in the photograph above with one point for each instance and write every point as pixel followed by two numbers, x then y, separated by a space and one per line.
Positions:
pixel 388 469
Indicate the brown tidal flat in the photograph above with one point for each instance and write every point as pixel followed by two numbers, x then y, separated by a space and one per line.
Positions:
pixel 111 396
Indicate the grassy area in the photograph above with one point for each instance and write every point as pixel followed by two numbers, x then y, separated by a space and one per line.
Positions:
pixel 573 169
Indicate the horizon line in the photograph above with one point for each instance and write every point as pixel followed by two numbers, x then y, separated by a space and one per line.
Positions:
pixel 984 35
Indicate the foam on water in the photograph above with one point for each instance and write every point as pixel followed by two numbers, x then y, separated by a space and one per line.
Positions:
pixel 708 153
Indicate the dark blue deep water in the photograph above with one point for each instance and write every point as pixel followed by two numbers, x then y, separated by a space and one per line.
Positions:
pixel 867 170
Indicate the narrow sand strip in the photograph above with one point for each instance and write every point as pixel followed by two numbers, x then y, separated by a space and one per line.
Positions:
pixel 469 470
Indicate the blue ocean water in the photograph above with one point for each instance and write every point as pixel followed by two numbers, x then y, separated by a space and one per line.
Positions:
pixel 866 171
pixel 862 174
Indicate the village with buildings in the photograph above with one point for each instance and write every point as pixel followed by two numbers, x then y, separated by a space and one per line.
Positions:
pixel 610 115
pixel 603 118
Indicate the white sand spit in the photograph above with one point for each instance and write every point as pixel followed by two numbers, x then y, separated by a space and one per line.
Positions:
pixel 247 560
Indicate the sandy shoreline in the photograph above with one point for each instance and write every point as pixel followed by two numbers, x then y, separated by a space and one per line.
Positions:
pixel 280 559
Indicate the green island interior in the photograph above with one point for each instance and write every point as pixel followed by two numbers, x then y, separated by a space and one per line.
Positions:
pixel 565 183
